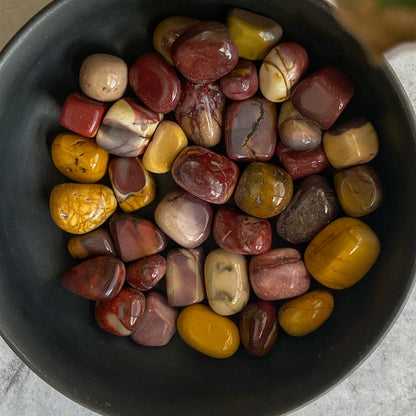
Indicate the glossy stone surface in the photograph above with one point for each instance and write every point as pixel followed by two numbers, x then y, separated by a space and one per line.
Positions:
pixel 136 237
pixel 359 190
pixel 353 142
pixel 79 208
pixel 92 244
pixel 185 276
pixel 313 206
pixel 300 164
pixel 210 176
pixel 155 82
pixel 145 274
pixel 250 130
pixel 306 313
pixel 103 77
pixel 205 52
pixel 98 278
pixel 120 314
pixel 323 96
pixel 242 82
pixel 263 190
pixel 258 327
pixel 167 142
pixel 82 114
pixel 207 332
pixel 132 184
pixel 254 34
pixel 281 70
pixel 200 112
pixel 279 274
pixel 342 253
pixel 185 218
pixel 157 326
pixel 127 128
pixel 167 31
pixel 226 281
pixel 241 233
pixel 79 158
pixel 296 131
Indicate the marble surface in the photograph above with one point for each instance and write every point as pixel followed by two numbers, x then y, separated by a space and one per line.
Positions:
pixel 385 384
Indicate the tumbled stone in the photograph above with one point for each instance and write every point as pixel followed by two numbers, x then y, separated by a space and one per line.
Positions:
pixel 92 244
pixel 145 274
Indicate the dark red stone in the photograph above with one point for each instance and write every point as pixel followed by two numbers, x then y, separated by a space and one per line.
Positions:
pixel 258 327
pixel 300 164
pixel 210 176
pixel 155 82
pixel 128 175
pixel 144 274
pixel 242 82
pixel 82 114
pixel 251 130
pixel 98 278
pixel 120 314
pixel 241 233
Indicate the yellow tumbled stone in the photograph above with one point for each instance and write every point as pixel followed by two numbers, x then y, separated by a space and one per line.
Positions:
pixel 79 158
pixel 254 34
pixel 209 333
pixel 342 253
pixel 167 142
pixel 80 208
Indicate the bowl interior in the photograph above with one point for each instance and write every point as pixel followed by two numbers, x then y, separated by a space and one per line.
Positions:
pixel 54 331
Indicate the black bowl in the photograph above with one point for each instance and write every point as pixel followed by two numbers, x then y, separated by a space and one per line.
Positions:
pixel 54 332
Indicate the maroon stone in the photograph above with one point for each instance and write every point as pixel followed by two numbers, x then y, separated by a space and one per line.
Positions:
pixel 205 174
pixel 155 82
pixel 241 233
pixel 300 164
pixel 98 278
pixel 251 130
pixel 136 237
pixel 120 314
pixel 205 52
pixel 158 324
pixel 279 274
pixel 242 82
pixel 258 327
pixel 323 96
pixel 128 175
pixel 144 274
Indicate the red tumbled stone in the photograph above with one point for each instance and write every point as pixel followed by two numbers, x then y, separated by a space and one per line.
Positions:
pixel 98 278
pixel 144 274
pixel 241 233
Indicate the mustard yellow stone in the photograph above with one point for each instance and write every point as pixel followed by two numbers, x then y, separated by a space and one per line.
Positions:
pixel 167 142
pixel 79 158
pixel 342 253
pixel 302 315
pixel 209 333
pixel 254 34
pixel 80 208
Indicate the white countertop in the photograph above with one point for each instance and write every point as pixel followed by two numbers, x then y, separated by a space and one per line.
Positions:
pixel 385 384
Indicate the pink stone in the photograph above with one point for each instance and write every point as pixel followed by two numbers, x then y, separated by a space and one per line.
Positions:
pixel 241 233
pixel 157 326
pixel 210 176
pixel 136 237
pixel 144 274
pixel 278 274
pixel 120 314
pixel 98 278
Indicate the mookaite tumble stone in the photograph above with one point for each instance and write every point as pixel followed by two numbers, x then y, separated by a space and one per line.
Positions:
pixel 264 190
pixel 241 233
pixel 185 218
pixel 98 278
pixel 136 237
pixel 251 130
pixel 205 174
pixel 127 128
pixel 92 244
pixel 144 274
